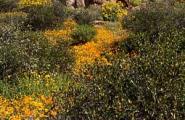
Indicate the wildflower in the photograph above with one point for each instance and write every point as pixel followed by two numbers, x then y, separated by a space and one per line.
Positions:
pixel 27 111
pixel 91 51
pixel 53 113
pixel 47 100
pixel 15 117
pixel 25 3
pixel 27 99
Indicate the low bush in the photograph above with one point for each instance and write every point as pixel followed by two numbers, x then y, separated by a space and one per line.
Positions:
pixel 40 17
pixel 88 15
pixel 163 20
pixel 61 58
pixel 40 12
pixel 62 11
pixel 83 34
pixel 157 18
pixel 21 51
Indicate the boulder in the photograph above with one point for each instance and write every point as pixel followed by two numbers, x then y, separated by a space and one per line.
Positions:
pixel 70 3
pixel 84 3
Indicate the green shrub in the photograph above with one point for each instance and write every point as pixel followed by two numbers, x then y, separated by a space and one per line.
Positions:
pixel 61 58
pixel 83 33
pixel 36 47
pixel 21 52
pixel 87 15
pixel 7 5
pixel 158 17
pixel 40 17
pixel 156 22
pixel 62 11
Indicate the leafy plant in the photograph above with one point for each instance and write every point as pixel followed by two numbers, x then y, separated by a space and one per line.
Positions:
pixel 157 18
pixel 40 17
pixel 21 51
pixel 83 33
pixel 87 15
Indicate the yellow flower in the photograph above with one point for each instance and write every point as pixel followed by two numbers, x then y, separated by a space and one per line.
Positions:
pixel 90 52
pixel 27 111
pixel 37 104
pixel 47 100
pixel 15 117
pixel 27 99
pixel 53 113
pixel 55 36
pixel 113 11
pixel 25 3
pixel 10 110
pixel 25 107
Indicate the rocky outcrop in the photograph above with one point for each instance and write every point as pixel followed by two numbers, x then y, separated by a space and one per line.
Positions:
pixel 84 3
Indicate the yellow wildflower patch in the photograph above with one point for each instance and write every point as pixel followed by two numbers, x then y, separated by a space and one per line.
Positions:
pixel 25 107
pixel 91 51
pixel 25 3
pixel 54 36
pixel 113 11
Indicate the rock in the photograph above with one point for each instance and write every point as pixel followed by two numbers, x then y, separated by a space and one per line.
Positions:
pixel 80 3
pixel 84 3
pixel 75 3
pixel 70 3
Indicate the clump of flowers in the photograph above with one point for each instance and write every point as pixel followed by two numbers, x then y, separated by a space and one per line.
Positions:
pixel 65 33
pixel 34 101
pixel 27 3
pixel 113 11
pixel 26 107
pixel 90 52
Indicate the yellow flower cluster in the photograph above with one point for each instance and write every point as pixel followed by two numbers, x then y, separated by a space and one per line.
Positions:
pixel 91 51
pixel 25 3
pixel 27 107
pixel 64 34
pixel 113 11
pixel 37 105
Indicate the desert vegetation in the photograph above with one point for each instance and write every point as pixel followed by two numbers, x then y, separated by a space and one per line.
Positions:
pixel 92 60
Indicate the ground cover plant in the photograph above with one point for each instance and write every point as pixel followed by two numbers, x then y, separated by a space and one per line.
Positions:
pixel 105 61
